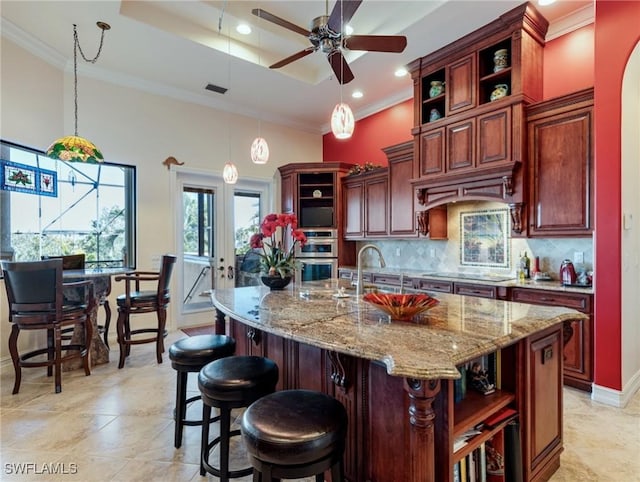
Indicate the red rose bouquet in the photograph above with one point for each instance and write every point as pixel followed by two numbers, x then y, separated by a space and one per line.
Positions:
pixel 277 239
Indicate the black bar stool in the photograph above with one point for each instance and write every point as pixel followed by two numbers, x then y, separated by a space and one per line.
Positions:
pixel 228 383
pixel 293 434
pixel 190 354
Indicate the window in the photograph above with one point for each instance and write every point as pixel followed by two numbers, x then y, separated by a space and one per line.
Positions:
pixel 82 208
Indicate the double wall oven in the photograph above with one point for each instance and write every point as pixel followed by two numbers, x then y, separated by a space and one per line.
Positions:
pixel 319 256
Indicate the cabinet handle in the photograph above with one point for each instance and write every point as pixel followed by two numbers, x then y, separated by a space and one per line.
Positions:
pixel 544 298
pixel 547 354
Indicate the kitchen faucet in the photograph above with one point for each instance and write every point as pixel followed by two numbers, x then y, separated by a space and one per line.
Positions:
pixel 362 250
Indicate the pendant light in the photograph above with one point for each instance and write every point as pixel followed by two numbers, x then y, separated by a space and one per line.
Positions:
pixel 230 171
pixel 342 121
pixel 259 147
pixel 74 148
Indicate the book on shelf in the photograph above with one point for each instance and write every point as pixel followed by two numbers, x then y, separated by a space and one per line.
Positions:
pixel 456 472
pixel 500 416
pixel 460 385
pixel 512 452
pixel 464 438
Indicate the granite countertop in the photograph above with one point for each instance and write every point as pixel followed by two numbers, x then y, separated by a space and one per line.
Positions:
pixel 488 279
pixel 457 330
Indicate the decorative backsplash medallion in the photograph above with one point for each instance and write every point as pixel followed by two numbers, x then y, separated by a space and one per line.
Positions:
pixel 484 238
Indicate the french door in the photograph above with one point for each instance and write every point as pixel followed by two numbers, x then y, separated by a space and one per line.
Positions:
pixel 214 222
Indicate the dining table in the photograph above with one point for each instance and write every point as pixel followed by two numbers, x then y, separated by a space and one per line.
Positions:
pixel 101 278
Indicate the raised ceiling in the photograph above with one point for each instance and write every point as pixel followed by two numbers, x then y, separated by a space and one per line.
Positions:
pixel 176 48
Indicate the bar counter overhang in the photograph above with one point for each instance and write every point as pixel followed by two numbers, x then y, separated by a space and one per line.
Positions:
pixel 395 378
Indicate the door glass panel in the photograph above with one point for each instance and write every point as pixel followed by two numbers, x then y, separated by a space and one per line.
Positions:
pixel 246 210
pixel 198 246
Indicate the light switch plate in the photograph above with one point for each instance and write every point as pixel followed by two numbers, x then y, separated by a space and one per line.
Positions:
pixel 578 257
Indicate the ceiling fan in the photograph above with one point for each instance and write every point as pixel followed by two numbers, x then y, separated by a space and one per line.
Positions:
pixel 325 34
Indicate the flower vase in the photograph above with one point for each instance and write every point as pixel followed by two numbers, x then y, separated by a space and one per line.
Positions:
pixel 275 283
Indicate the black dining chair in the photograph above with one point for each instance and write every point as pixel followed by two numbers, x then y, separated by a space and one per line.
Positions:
pixel 77 261
pixel 136 301
pixel 34 292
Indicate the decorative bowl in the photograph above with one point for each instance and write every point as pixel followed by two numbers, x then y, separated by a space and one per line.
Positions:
pixel 402 307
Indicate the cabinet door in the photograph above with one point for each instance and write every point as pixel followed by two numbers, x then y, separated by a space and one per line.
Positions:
pixel 249 341
pixel 401 197
pixel 494 138
pixel 432 152
pixel 287 191
pixel 353 209
pixel 377 207
pixel 461 94
pixel 460 145
pixel 545 398
pixel 561 173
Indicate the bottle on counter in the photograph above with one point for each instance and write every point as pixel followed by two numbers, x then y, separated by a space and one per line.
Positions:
pixel 525 265
pixel 536 265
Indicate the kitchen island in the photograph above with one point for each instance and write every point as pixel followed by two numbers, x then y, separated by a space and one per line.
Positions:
pixel 396 378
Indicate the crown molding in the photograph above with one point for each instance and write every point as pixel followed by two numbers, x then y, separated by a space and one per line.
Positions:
pixel 58 60
pixel 567 24
pixel 32 44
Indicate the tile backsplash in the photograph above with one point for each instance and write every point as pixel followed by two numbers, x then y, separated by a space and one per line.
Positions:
pixel 444 256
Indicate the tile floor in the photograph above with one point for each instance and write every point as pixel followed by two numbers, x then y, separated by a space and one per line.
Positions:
pixel 116 425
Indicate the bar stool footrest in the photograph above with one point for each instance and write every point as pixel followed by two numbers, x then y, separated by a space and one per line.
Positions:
pixel 233 474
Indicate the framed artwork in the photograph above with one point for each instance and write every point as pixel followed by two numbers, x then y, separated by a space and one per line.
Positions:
pixel 484 240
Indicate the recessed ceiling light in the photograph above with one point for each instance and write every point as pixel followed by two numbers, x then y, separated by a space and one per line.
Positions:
pixel 357 94
pixel 243 28
pixel 545 2
pixel 348 30
pixel 401 72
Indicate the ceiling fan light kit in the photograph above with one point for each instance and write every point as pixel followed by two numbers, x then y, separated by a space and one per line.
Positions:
pixel 326 35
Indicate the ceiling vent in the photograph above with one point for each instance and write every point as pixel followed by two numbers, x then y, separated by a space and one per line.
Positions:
pixel 216 88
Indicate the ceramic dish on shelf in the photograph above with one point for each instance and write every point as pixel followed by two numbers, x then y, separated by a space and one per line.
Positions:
pixel 401 307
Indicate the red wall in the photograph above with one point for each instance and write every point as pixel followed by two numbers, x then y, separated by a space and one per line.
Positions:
pixel 616 35
pixel 386 128
pixel 568 63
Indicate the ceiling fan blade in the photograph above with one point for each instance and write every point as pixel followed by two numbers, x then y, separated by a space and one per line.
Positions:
pixel 376 43
pixel 292 58
pixel 340 15
pixel 340 67
pixel 258 12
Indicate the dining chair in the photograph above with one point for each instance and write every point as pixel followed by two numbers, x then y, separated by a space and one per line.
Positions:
pixel 136 301
pixel 77 261
pixel 34 293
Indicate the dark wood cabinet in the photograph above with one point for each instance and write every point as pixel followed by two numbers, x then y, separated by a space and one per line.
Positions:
pixel 401 197
pixel 313 192
pixel 471 144
pixel 353 209
pixel 481 291
pixel 366 205
pixel 376 205
pixel 578 350
pixel 561 166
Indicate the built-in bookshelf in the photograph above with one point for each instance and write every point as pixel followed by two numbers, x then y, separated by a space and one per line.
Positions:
pixel 483 406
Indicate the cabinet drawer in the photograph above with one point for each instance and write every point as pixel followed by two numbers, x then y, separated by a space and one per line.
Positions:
pixel 475 290
pixel 577 301
pixel 385 279
pixel 429 285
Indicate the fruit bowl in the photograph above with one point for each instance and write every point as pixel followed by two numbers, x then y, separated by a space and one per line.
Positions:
pixel 402 307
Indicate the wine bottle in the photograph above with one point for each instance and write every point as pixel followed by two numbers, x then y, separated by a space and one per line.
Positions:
pixel 527 266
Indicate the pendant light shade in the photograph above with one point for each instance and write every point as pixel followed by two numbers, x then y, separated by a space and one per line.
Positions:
pixel 342 121
pixel 74 148
pixel 230 173
pixel 259 151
